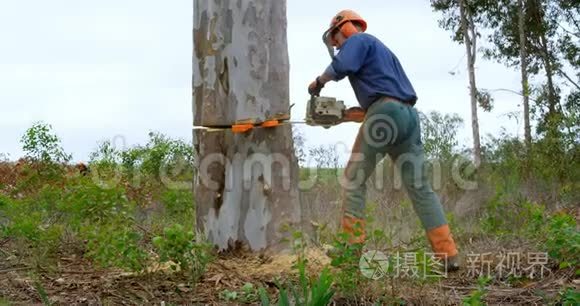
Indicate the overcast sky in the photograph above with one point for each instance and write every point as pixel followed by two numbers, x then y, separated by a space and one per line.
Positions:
pixel 107 69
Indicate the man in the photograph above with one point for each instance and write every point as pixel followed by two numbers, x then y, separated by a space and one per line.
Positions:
pixel 391 126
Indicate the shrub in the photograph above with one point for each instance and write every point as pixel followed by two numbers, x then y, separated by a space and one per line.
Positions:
pixel 556 232
pixel 248 294
pixel 346 258
pixel 105 155
pixel 310 291
pixel 178 203
pixel 476 296
pixel 87 203
pixel 116 245
pixel 563 240
pixel 161 155
pixel 178 247
pixel 570 297
pixel 36 233
pixel 40 144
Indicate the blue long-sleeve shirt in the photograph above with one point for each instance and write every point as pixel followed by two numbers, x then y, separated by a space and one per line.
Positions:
pixel 373 70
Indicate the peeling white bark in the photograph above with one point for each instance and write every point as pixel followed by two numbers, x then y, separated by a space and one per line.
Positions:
pixel 240 72
pixel 249 39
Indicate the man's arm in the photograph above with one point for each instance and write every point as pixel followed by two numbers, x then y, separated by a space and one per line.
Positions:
pixel 348 61
pixel 317 85
pixel 325 77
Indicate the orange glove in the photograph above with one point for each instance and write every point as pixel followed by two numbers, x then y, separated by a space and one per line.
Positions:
pixel 354 114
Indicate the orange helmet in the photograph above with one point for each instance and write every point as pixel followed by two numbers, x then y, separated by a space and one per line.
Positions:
pixel 344 22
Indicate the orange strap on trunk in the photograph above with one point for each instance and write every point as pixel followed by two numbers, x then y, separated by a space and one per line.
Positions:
pixel 242 128
pixel 270 123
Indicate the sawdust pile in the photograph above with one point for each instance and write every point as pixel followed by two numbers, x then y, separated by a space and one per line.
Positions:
pixel 247 268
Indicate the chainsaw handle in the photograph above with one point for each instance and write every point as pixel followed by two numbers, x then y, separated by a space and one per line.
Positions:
pixel 354 114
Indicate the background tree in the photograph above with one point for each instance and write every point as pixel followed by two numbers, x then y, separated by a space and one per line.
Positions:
pixel 524 72
pixel 541 37
pixel 246 188
pixel 42 145
pixel 470 40
pixel 440 134
pixel 325 157
pixel 538 36
pixel 462 18
pixel 299 145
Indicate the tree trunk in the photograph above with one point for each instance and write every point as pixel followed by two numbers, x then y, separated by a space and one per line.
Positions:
pixel 524 70
pixel 468 28
pixel 549 75
pixel 246 189
pixel 543 50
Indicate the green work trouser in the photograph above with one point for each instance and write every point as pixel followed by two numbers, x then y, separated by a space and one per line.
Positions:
pixel 392 128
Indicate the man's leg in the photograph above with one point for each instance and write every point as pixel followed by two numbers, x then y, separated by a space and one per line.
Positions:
pixel 385 126
pixel 411 162
pixel 426 203
pixel 360 166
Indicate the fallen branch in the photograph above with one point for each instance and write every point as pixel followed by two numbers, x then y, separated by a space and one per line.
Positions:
pixel 4 252
pixel 74 272
pixel 488 289
pixel 15 269
pixel 124 299
pixel 151 295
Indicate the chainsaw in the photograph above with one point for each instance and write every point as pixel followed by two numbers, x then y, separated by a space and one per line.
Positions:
pixel 320 111
pixel 328 111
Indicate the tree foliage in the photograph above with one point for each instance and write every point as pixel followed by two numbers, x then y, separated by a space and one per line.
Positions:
pixel 42 145
pixel 439 134
pixel 552 49
pixel 551 44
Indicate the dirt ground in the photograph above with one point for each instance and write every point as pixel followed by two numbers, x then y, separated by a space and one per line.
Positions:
pixel 75 281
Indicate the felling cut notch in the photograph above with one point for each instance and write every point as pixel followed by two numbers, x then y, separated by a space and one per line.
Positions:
pixel 243 126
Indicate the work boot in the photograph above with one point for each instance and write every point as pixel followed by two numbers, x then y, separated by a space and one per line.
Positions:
pixel 452 264
pixel 444 247
pixel 354 228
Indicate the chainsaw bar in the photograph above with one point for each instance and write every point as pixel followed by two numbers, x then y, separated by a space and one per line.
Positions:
pixel 320 111
pixel 245 127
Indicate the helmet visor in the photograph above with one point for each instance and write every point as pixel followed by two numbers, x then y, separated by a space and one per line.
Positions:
pixel 328 40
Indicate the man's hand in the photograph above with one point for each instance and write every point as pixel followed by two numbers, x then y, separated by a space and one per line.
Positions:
pixel 315 87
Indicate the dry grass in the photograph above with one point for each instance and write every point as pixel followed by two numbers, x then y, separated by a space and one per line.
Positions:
pixel 77 282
